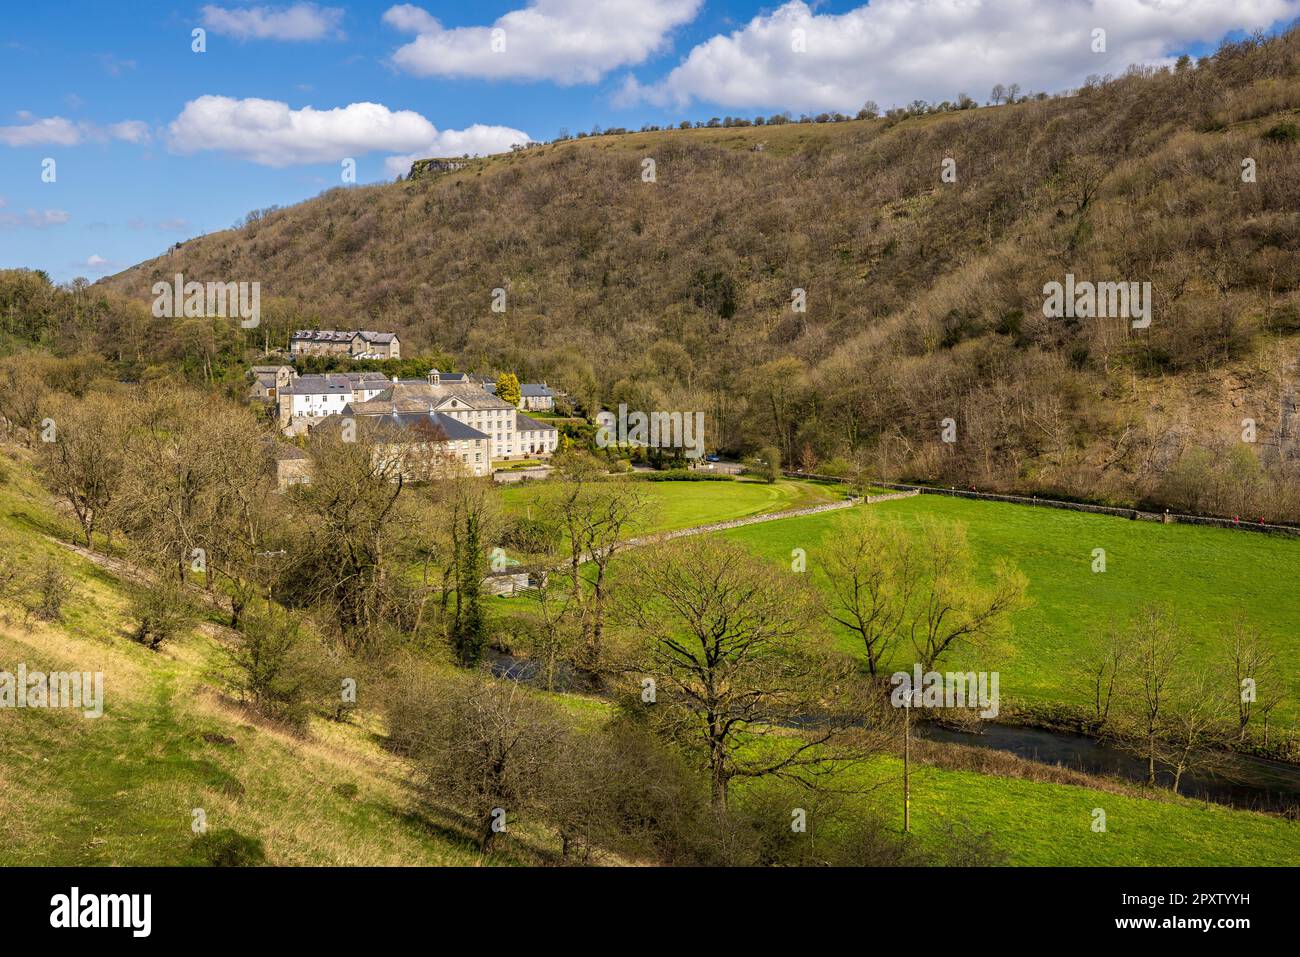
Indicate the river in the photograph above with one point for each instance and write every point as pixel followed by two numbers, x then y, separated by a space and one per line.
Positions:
pixel 1244 781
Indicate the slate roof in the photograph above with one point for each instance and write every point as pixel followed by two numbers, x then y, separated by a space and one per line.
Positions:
pixel 535 390
pixel 329 384
pixel 342 335
pixel 417 395
pixel 524 423
pixel 467 378
pixel 443 427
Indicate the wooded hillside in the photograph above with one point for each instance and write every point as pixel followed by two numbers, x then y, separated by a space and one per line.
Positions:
pixel 924 297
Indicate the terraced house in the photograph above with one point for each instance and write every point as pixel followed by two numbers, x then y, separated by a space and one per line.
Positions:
pixel 308 399
pixel 358 344
pixel 506 433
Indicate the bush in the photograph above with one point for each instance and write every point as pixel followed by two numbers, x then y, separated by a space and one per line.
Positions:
pixel 162 612
pixel 1283 133
pixel 766 464
pixel 226 849
pixel 278 671
pixel 681 475
pixel 51 589
pixel 532 536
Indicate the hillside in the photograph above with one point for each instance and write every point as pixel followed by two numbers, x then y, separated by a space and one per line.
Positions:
pixel 924 298
pixel 122 789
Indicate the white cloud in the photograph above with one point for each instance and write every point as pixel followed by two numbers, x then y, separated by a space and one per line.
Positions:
pixel 895 51
pixel 270 133
pixel 54 131
pixel 32 218
pixel 476 140
pixel 130 131
pixel 58 131
pixel 568 41
pixel 95 263
pixel 302 21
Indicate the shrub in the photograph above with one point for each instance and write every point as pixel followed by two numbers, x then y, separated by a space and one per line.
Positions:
pixel 51 590
pixel 278 671
pixel 531 536
pixel 681 475
pixel 1283 133
pixel 226 849
pixel 766 464
pixel 161 611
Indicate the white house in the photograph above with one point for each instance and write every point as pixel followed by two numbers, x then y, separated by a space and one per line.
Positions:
pixel 310 398
pixel 536 438
pixel 536 397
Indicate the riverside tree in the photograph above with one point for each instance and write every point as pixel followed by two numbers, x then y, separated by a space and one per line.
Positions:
pixel 722 638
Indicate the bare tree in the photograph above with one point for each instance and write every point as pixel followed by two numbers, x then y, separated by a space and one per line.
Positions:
pixel 596 515
pixel 1104 671
pixel 1257 685
pixel 723 637
pixel 84 459
pixel 350 538
pixel 1194 727
pixel 1156 656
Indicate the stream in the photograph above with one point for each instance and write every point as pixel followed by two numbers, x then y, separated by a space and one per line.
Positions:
pixel 1245 781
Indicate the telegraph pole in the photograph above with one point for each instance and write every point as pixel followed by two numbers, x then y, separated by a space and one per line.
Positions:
pixel 907 762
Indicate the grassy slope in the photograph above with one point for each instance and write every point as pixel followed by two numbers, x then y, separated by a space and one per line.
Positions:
pixel 1205 576
pixel 120 789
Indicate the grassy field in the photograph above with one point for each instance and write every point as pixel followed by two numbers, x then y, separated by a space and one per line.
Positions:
pixel 675 505
pixel 1205 577
pixel 1037 823
pixel 122 789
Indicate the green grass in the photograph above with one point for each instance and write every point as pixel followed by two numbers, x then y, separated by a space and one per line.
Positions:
pixel 1206 577
pixel 1043 824
pixel 121 789
pixel 675 505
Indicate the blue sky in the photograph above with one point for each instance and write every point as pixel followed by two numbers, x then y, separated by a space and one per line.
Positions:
pixel 153 142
